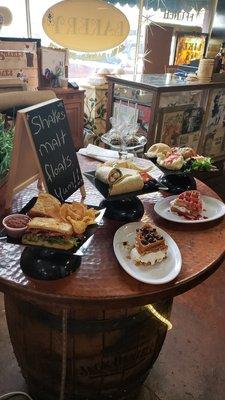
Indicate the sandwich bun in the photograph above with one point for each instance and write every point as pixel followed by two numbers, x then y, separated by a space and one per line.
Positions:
pixel 45 206
pixel 51 224
pixel 156 149
pixel 187 152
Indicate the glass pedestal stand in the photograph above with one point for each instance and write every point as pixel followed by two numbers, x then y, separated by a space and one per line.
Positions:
pixel 123 149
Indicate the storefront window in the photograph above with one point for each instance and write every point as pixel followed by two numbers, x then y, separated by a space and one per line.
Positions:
pixel 37 10
pixel 18 26
pixel 83 64
pixel 122 56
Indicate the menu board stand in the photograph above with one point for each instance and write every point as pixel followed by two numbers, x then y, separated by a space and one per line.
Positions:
pixel 51 160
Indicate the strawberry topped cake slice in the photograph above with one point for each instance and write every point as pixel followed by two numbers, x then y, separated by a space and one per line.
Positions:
pixel 188 204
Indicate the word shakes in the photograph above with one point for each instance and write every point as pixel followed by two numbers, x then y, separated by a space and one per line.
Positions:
pixel 55 149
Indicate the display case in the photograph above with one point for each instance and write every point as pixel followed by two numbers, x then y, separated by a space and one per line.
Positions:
pixel 173 110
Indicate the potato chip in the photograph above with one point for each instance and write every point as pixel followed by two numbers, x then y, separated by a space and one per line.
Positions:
pixel 79 227
pixel 88 220
pixel 64 212
pixel 79 209
pixel 78 215
pixel 91 212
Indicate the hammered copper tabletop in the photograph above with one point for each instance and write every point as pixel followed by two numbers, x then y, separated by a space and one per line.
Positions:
pixel 100 281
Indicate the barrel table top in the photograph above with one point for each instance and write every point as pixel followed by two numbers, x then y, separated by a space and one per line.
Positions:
pixel 100 281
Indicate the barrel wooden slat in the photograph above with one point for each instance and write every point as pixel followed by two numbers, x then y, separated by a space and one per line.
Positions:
pixel 106 358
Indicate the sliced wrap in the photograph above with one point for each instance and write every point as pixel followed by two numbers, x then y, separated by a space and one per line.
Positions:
pixel 128 183
pixel 108 174
pixel 127 164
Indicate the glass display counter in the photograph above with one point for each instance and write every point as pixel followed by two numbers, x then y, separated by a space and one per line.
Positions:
pixel 174 111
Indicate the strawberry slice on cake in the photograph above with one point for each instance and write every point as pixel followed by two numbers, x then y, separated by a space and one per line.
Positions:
pixel 188 204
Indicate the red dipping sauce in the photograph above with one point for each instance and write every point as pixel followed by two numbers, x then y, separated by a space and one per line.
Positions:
pixel 16 224
pixel 17 221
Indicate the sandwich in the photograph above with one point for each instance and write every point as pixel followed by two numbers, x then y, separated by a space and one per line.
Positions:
pixel 49 232
pixel 45 206
pixel 187 152
pixel 150 246
pixel 128 183
pixel 107 174
pixel 173 160
pixel 128 165
pixel 156 149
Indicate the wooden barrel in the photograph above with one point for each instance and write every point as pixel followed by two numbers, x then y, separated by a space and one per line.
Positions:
pixel 84 354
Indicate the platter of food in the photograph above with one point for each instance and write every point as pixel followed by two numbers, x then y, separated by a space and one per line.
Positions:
pixel 147 253
pixel 180 159
pixel 45 222
pixel 123 179
pixel 190 207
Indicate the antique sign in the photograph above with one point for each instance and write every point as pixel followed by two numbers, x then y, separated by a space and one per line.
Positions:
pixel 19 59
pixel 189 47
pixel 86 25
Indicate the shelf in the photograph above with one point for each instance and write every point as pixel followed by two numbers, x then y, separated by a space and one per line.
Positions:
pixel 132 101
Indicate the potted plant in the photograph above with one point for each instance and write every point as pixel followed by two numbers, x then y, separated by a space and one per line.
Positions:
pixel 6 145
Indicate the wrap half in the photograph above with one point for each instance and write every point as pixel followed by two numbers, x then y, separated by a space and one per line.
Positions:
pixel 128 183
pixel 127 164
pixel 107 174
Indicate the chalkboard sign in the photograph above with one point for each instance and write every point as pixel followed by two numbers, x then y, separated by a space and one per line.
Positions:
pixel 49 128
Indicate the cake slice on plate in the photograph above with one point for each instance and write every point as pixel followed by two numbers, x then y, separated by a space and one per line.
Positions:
pixel 150 246
pixel 188 204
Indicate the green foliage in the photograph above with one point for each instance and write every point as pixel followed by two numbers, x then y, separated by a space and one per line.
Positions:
pixel 6 145
pixel 201 164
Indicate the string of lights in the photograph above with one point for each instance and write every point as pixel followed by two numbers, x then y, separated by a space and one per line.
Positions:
pixel 159 316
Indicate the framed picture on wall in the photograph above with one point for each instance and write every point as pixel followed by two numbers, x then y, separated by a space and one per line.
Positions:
pixel 20 58
pixel 214 135
pixel 190 47
pixel 170 124
pixel 192 120
pixel 190 139
pixel 54 65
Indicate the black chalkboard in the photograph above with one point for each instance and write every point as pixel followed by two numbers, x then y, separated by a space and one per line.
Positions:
pixel 54 146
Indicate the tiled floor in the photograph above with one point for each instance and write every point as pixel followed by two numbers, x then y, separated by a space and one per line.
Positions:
pixel 191 365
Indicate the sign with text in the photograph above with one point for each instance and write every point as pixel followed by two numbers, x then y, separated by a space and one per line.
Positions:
pixel 49 128
pixel 189 47
pixel 85 25
pixel 19 59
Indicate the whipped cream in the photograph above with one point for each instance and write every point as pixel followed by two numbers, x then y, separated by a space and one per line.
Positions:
pixel 184 209
pixel 148 258
pixel 181 209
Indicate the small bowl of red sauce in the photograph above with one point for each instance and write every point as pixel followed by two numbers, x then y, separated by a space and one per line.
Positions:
pixel 15 224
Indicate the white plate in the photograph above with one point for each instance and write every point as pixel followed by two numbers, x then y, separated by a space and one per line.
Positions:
pixel 214 209
pixel 162 272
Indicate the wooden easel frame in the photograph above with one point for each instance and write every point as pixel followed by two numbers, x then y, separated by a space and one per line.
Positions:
pixel 24 150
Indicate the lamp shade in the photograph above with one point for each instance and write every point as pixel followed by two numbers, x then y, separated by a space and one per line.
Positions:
pixel 5 16
pixel 86 25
